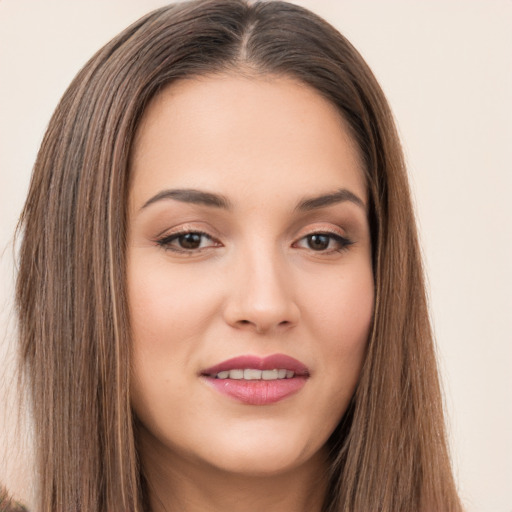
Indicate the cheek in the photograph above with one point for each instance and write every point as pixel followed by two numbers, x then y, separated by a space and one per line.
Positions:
pixel 341 305
pixel 165 304
pixel 167 316
pixel 340 316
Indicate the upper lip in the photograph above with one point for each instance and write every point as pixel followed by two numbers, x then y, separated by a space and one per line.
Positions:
pixel 271 362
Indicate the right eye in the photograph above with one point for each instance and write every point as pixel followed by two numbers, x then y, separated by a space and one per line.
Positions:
pixel 187 241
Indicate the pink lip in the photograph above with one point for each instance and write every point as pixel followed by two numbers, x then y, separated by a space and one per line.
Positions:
pixel 258 392
pixel 259 363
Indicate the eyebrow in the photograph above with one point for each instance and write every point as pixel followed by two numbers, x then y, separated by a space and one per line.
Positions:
pixel 324 200
pixel 190 195
pixel 194 196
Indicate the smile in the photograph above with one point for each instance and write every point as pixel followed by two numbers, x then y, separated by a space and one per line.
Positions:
pixel 254 380
pixel 253 374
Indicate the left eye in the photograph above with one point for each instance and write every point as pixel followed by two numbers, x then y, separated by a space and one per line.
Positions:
pixel 323 242
pixel 189 241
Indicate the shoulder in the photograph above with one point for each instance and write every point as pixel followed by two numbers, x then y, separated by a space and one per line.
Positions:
pixel 7 504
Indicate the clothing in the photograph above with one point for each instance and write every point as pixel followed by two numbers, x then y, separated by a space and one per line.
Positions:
pixel 7 504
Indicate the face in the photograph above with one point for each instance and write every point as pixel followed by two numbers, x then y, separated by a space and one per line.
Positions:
pixel 249 273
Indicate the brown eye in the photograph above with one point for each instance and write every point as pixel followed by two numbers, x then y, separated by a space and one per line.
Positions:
pixel 190 240
pixel 318 242
pixel 323 242
pixel 187 242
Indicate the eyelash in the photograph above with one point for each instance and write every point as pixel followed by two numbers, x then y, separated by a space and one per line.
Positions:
pixel 165 242
pixel 342 242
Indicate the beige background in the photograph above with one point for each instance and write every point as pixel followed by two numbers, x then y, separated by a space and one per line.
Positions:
pixel 446 67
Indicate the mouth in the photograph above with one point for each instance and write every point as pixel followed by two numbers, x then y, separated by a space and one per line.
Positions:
pixel 254 374
pixel 254 380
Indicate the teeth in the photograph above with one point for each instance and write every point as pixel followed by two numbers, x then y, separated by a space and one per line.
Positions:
pixel 269 374
pixel 236 374
pixel 252 374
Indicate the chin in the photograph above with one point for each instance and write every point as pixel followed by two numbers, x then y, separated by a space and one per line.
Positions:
pixel 255 465
pixel 258 453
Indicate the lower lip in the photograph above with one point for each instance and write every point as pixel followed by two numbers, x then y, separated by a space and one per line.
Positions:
pixel 258 392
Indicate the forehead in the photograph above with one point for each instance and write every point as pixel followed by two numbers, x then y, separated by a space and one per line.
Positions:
pixel 234 134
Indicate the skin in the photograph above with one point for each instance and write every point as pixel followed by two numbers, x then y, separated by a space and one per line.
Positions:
pixel 257 284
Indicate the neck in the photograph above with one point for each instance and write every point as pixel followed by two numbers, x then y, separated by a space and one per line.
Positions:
pixel 191 486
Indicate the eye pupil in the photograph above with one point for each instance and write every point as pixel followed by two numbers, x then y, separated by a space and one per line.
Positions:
pixel 318 242
pixel 190 240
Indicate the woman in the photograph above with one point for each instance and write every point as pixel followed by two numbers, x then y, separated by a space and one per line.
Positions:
pixel 220 294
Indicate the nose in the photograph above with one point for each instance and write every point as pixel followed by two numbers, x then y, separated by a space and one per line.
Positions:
pixel 261 297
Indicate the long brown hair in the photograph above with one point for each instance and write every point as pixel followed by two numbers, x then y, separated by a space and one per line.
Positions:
pixel 389 453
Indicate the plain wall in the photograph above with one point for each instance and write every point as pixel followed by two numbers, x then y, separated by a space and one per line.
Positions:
pixel 446 67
